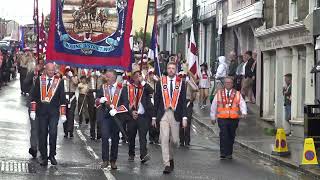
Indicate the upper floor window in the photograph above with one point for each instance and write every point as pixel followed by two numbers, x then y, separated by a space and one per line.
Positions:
pixel 152 8
pixel 318 3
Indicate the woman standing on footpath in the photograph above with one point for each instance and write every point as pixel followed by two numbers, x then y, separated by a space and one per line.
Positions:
pixel 204 85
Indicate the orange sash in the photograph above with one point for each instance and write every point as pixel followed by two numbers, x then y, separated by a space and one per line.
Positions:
pixel 134 99
pixel 167 100
pixel 112 100
pixel 46 96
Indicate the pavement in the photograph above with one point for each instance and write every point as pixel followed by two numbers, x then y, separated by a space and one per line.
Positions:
pixel 79 157
pixel 258 136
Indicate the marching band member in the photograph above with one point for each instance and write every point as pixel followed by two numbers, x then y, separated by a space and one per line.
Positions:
pixel 154 132
pixel 70 86
pixel 191 89
pixel 83 99
pixel 109 97
pixel 50 99
pixel 170 104
pixel 91 96
pixel 141 111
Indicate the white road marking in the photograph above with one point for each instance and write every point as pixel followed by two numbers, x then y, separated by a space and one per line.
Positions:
pixel 106 172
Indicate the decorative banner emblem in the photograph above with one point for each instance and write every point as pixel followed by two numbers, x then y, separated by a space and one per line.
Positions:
pixel 90 33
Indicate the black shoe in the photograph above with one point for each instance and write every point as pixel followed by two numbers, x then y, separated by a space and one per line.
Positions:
pixel 53 160
pixel 92 138
pixel 223 158
pixel 171 164
pixel 71 135
pixel 229 157
pixel 65 135
pixel 44 162
pixel 98 137
pixel 87 121
pixel 181 144
pixel 167 170
pixel 151 142
pixel 145 159
pixel 131 159
pixel 33 153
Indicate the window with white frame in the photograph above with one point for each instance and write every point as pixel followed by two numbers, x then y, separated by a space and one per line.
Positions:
pixel 294 10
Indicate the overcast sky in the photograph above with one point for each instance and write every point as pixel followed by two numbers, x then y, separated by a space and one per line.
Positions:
pixel 22 10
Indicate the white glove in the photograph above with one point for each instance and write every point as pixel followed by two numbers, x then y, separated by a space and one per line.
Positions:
pixel 63 118
pixel 92 74
pixel 32 115
pixel 113 112
pixel 154 122
pixel 103 100
pixel 98 73
pixel 155 78
pixel 70 74
pixel 184 123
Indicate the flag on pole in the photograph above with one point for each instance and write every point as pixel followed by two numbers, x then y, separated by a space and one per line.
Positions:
pixel 153 51
pixel 193 61
pixel 21 37
pixel 43 38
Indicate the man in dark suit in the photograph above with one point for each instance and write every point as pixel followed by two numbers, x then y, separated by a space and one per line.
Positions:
pixel 247 81
pixel 49 95
pixel 171 110
pixel 141 111
pixel 111 96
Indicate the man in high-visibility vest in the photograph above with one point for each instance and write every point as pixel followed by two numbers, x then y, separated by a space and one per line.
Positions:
pixel 228 107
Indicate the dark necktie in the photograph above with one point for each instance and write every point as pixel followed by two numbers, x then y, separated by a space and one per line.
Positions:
pixel 228 94
pixel 49 83
pixel 110 91
pixel 171 88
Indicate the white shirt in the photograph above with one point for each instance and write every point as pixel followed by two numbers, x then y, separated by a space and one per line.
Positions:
pixel 244 68
pixel 113 89
pixel 140 106
pixel 213 112
pixel 169 84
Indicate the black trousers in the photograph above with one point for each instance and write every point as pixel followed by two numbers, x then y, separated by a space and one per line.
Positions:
pixel 184 133
pixel 227 134
pixel 68 126
pixel 140 125
pixel 92 115
pixel 23 75
pixel 48 124
pixel 109 129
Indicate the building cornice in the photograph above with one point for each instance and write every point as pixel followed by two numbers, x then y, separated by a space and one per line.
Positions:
pixel 164 5
pixel 278 29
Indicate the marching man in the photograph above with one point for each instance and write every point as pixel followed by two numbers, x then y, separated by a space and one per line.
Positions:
pixel 141 110
pixel 111 96
pixel 49 103
pixel 228 107
pixel 171 110
pixel 70 86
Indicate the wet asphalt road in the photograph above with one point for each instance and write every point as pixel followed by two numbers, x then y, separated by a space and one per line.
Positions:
pixel 79 157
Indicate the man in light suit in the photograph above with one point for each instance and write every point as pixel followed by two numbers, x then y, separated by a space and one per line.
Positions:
pixel 171 110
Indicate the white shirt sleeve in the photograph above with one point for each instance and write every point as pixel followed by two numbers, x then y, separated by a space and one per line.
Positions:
pixel 243 106
pixel 220 71
pixel 213 108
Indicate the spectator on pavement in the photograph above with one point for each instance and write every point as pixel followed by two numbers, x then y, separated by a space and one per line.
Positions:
pixel 247 81
pixel 254 71
pixel 204 85
pixel 233 64
pixel 227 106
pixel 239 74
pixel 221 73
pixel 287 97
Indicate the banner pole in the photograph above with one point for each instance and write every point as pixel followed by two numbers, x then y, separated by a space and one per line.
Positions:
pixel 144 35
pixel 38 30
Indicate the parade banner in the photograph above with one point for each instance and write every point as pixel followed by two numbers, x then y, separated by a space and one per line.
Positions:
pixel 90 33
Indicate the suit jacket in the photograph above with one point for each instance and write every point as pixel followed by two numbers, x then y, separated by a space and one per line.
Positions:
pixel 181 110
pixel 52 108
pixel 248 71
pixel 146 101
pixel 123 100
